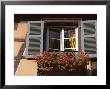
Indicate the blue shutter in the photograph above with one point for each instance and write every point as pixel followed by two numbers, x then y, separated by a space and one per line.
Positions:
pixel 89 37
pixel 34 41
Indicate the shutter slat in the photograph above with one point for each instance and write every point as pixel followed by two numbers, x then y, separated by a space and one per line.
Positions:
pixel 33 50
pixel 89 31
pixel 35 26
pixel 89 45
pixel 34 33
pixel 36 47
pixel 89 38
pixel 89 48
pixel 34 43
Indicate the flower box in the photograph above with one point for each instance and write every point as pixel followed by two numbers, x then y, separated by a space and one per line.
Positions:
pixel 54 64
pixel 54 72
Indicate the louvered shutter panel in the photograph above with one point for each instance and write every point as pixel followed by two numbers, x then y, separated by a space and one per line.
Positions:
pixel 89 37
pixel 34 41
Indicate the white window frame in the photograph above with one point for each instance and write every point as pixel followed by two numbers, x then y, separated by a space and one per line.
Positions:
pixel 76 37
pixel 62 38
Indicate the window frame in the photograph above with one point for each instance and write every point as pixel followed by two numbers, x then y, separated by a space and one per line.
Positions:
pixel 62 38
pixel 76 37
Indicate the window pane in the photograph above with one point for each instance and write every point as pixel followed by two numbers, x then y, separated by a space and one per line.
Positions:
pixel 54 44
pixel 70 43
pixel 68 31
pixel 54 39
pixel 67 43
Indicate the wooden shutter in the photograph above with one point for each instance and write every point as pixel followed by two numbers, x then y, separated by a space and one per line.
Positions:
pixel 34 41
pixel 89 37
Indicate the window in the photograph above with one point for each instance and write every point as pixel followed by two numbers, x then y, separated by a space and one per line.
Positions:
pixel 62 39
pixel 71 39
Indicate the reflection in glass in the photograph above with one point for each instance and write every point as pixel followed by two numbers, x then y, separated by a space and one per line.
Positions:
pixel 54 40
pixel 67 32
pixel 70 40
pixel 67 43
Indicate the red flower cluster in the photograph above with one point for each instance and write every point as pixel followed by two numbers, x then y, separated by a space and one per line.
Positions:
pixel 64 61
pixel 46 60
pixel 71 62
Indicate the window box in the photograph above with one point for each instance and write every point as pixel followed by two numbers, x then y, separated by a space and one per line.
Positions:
pixel 81 71
pixel 62 64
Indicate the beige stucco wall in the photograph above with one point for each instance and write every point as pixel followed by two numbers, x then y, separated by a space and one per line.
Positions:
pixel 19 33
pixel 25 67
pixel 17 46
pixel 21 30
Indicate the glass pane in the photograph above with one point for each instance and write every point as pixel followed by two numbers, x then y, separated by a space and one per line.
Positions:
pixel 68 32
pixel 54 33
pixel 54 40
pixel 67 43
pixel 35 28
pixel 70 43
pixel 54 44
